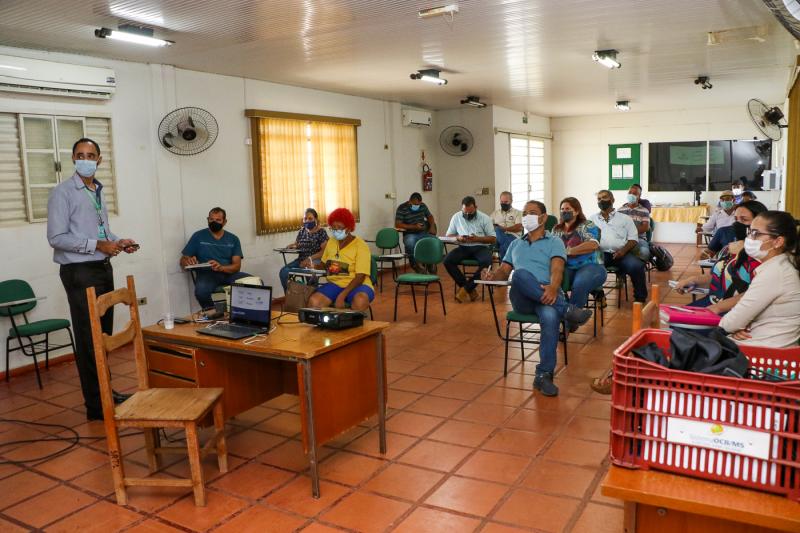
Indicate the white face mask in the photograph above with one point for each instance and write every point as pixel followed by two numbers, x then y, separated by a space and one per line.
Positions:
pixel 737 191
pixel 752 247
pixel 530 223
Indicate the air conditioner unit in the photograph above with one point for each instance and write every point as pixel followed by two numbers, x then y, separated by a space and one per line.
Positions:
pixel 34 76
pixel 412 117
pixel 772 180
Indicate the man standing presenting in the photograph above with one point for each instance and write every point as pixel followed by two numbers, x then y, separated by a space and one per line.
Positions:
pixel 416 221
pixel 220 249
pixel 83 244
pixel 618 238
pixel 538 261
pixel 507 223
pixel 474 234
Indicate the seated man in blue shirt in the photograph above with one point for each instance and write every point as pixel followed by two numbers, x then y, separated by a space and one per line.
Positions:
pixel 538 260
pixel 474 232
pixel 221 250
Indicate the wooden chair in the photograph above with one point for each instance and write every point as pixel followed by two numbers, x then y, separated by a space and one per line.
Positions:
pixel 151 409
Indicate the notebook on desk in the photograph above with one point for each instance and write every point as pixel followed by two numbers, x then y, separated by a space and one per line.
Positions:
pixel 251 311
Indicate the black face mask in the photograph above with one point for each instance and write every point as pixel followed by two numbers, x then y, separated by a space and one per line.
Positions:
pixel 740 230
pixel 469 216
pixel 214 226
pixel 566 216
pixel 505 207
pixel 605 204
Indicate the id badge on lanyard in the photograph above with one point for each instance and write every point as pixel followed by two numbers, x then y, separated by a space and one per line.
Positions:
pixel 98 207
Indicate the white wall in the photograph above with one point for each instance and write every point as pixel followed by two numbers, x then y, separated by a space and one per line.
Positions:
pixel 580 148
pixel 164 198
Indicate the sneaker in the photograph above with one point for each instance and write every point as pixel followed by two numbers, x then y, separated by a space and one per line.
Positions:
pixel 543 382
pixel 462 296
pixel 119 397
pixel 473 294
pixel 576 317
pixel 602 385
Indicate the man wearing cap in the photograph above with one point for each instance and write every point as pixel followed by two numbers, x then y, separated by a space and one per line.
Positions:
pixel 723 216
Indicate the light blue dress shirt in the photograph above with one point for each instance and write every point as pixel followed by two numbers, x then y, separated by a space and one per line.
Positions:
pixel 72 222
pixel 480 226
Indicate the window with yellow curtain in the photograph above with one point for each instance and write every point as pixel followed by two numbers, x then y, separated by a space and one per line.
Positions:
pixel 302 161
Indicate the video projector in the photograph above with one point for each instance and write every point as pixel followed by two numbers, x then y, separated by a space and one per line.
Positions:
pixel 331 318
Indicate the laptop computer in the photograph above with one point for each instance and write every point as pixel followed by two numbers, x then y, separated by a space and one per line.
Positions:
pixel 251 311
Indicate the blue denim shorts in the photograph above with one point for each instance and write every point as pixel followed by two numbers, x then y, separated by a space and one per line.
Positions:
pixel 332 291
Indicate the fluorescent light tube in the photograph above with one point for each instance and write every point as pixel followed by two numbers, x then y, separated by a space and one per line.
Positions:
pixel 607 58
pixel 436 11
pixel 117 35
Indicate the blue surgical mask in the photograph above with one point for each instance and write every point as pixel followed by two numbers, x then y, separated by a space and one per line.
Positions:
pixel 85 167
pixel 415 207
pixel 339 234
pixel 632 198
pixel 310 224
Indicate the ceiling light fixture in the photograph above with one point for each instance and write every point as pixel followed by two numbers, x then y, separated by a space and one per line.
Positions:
pixel 449 9
pixel 132 34
pixel 703 82
pixel 607 58
pixel 623 105
pixel 474 101
pixel 431 75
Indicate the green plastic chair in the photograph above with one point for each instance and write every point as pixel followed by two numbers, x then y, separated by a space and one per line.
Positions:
pixel 426 252
pixel 533 335
pixel 387 240
pixel 17 289
pixel 595 302
pixel 551 222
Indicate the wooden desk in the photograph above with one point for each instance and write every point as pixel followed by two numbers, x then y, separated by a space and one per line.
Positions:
pixel 664 503
pixel 340 376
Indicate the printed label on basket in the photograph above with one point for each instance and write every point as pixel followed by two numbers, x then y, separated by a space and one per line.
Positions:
pixel 719 437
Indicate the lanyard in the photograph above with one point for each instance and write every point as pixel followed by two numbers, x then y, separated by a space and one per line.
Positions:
pixel 98 207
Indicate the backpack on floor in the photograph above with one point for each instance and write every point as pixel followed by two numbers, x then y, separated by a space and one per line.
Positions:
pixel 660 257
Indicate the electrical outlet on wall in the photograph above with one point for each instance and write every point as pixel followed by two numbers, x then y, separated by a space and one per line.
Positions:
pixel 390 196
pixel 142 300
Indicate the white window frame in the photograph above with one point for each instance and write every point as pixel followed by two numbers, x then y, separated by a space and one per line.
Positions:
pixel 55 151
pixel 530 194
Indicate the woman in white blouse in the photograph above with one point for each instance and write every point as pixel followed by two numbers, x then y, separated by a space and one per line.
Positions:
pixel 768 313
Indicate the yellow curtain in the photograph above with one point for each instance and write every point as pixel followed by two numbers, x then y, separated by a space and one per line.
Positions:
pixel 335 166
pixel 791 182
pixel 281 170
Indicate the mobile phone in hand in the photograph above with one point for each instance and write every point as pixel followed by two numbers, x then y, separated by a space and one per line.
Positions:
pixel 131 248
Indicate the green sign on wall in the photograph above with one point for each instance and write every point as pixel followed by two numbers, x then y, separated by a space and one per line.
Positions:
pixel 624 165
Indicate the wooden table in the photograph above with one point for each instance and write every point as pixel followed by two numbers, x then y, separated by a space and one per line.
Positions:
pixel 340 376
pixel 661 502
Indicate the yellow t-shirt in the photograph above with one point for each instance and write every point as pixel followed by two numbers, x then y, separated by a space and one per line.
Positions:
pixel 355 258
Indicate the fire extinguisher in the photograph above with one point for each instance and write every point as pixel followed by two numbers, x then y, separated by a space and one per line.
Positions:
pixel 427 175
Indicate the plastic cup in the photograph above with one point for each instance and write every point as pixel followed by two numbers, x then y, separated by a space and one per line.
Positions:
pixel 169 320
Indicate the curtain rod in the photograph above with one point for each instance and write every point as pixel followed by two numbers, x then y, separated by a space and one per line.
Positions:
pixel 524 133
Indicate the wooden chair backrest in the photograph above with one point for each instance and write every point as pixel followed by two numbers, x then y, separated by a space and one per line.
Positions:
pixel 131 333
pixel 647 316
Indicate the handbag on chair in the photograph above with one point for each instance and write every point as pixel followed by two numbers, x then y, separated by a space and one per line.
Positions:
pixel 297 295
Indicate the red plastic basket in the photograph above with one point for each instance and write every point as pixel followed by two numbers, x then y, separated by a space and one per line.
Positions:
pixel 739 431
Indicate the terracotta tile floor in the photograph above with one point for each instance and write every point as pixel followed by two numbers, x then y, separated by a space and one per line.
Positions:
pixel 468 450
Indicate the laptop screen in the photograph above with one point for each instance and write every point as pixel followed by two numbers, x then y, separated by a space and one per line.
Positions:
pixel 251 304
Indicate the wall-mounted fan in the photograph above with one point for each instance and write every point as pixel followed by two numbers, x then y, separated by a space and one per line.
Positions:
pixel 767 119
pixel 456 140
pixel 188 131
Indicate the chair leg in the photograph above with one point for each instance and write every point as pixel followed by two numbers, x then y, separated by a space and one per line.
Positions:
pixel 566 360
pixel 117 465
pixel 371 316
pixel 396 291
pixel 151 442
pixel 47 351
pixel 222 447
pixel 505 352
pixel 441 293
pixel 414 298
pixel 522 341
pixel 8 370
pixel 36 368
pixel 425 306
pixel 193 447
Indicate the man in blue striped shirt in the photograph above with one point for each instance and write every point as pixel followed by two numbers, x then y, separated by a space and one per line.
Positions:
pixel 83 244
